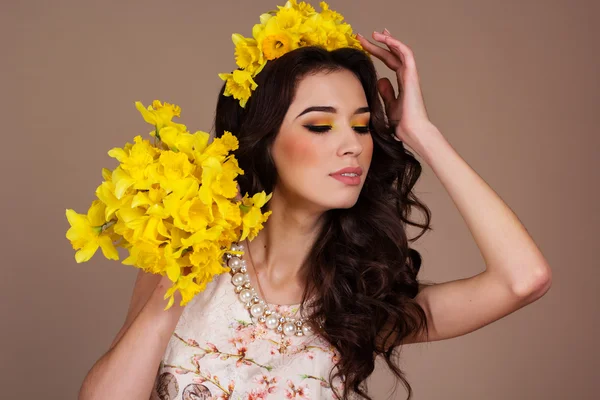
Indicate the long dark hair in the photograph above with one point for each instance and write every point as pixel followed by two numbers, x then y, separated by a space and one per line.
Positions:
pixel 360 270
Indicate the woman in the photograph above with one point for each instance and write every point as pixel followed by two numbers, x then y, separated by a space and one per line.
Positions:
pixel 333 256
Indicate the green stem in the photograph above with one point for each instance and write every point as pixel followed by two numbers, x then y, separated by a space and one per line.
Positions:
pixel 108 224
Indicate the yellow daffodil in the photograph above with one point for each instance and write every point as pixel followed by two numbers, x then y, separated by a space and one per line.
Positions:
pixel 239 84
pixel 276 44
pixel 174 166
pixel 206 262
pixel 219 148
pixel 186 287
pixel 304 8
pixel 106 194
pixel 218 179
pixel 189 214
pixel 149 198
pixel 146 257
pixel 312 32
pixel 132 224
pixel 160 115
pixel 253 219
pixel 247 53
pixel 202 238
pixel 174 234
pixel 173 108
pixel 122 182
pixel 172 267
pixel 225 212
pixel 176 139
pixel 330 14
pixel 288 19
pixel 227 180
pixel 134 159
pixel 136 164
pixel 278 36
pixel 86 233
pixel 335 39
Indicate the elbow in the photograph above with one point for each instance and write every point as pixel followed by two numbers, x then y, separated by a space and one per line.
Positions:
pixel 535 286
pixel 85 391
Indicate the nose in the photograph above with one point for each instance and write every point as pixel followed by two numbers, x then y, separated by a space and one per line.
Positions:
pixel 350 142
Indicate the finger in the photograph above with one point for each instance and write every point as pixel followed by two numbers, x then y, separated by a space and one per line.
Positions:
pixel 398 48
pixel 384 38
pixel 386 90
pixel 410 68
pixel 389 59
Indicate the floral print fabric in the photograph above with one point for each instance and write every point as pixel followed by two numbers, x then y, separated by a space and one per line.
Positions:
pixel 217 352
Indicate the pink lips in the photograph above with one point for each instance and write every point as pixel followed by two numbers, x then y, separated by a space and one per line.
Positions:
pixel 348 180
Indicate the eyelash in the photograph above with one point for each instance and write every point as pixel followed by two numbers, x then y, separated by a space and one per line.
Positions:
pixel 324 128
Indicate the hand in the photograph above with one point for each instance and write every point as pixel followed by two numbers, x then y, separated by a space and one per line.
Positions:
pixel 163 284
pixel 406 112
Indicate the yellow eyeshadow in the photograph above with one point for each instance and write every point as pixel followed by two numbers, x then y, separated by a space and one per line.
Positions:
pixel 362 122
pixel 359 124
pixel 323 123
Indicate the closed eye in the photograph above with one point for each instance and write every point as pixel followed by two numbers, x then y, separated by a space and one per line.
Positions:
pixel 363 129
pixel 318 128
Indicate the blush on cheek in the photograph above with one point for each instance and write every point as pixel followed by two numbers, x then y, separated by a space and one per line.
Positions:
pixel 299 151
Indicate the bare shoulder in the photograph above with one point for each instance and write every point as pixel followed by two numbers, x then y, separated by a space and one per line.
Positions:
pixel 144 285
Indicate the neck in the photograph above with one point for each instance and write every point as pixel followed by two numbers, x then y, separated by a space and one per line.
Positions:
pixel 281 247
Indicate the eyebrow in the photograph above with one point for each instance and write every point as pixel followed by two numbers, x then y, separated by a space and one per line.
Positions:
pixel 329 109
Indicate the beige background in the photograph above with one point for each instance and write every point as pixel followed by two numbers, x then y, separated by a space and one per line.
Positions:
pixel 513 85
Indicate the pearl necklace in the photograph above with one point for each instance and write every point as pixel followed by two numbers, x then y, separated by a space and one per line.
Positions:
pixel 257 307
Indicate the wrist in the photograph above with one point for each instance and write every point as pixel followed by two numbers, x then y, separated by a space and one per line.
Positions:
pixel 157 301
pixel 428 143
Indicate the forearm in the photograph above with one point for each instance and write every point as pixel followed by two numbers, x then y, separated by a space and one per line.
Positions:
pixel 128 370
pixel 508 250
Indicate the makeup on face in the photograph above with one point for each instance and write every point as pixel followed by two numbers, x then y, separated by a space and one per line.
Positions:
pixel 325 138
pixel 322 125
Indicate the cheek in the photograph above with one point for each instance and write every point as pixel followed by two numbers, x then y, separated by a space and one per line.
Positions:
pixel 367 152
pixel 299 151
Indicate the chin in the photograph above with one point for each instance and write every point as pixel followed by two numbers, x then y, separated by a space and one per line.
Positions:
pixel 346 205
pixel 346 202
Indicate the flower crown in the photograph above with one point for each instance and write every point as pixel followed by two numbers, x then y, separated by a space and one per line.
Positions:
pixel 280 31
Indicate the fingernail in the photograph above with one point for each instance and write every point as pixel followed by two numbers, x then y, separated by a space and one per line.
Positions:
pixel 358 34
pixel 386 31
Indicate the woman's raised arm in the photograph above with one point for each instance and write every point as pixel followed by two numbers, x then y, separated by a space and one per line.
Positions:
pixel 516 273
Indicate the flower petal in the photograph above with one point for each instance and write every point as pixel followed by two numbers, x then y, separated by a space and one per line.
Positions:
pixel 86 252
pixel 108 248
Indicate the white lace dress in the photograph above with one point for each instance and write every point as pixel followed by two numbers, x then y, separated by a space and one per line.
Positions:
pixel 217 352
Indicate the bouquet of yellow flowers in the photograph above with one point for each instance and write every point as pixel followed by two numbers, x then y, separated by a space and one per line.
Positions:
pixel 172 204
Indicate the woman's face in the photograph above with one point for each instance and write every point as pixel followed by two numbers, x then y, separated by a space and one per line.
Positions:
pixel 325 130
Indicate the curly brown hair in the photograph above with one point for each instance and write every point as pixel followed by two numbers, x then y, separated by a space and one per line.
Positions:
pixel 361 274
